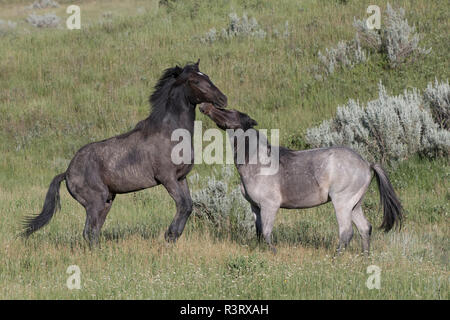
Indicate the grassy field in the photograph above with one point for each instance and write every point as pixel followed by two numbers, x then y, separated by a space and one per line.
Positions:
pixel 61 89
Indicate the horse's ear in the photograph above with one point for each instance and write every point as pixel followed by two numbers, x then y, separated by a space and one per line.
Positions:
pixel 253 123
pixel 178 70
pixel 198 62
pixel 247 122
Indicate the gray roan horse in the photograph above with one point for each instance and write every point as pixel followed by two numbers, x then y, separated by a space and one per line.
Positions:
pixel 307 179
pixel 138 159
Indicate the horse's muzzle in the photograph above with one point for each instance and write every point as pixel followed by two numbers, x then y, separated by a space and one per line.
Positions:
pixel 221 102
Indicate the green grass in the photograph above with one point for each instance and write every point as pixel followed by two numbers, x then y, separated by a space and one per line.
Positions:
pixel 61 89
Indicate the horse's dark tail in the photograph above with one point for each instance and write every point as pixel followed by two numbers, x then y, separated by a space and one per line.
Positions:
pixel 392 208
pixel 51 205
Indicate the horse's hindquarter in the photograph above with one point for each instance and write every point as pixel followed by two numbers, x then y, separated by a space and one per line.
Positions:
pixel 312 177
pixel 349 174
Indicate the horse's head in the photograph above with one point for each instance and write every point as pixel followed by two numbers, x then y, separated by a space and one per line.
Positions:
pixel 228 118
pixel 200 88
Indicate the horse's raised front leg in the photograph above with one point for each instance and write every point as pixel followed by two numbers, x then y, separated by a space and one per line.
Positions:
pixel 179 191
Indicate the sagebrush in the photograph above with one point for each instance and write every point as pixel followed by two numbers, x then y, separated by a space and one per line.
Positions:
pixel 44 4
pixel 396 39
pixel 345 55
pixel 437 98
pixel 49 20
pixel 243 27
pixel 7 26
pixel 387 129
pixel 224 207
pixel 237 27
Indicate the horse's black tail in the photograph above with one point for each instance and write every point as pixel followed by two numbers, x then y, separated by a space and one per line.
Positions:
pixel 392 208
pixel 51 205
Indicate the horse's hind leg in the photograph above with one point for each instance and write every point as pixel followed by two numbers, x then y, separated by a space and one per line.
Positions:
pixel 95 217
pixel 363 225
pixel 105 211
pixel 344 218
pixel 84 183
pixel 97 208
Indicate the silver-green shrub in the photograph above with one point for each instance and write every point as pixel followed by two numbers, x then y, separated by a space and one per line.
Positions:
pixel 43 4
pixel 396 38
pixel 7 26
pixel 387 129
pixel 243 27
pixel 286 33
pixel 237 27
pixel 437 98
pixel 48 20
pixel 224 207
pixel 345 54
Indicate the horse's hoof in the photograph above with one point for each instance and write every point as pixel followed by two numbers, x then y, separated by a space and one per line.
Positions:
pixel 273 249
pixel 170 237
pixel 94 245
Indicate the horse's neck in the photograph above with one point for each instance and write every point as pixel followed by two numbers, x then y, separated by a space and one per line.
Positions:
pixel 185 118
pixel 259 159
pixel 180 113
pixel 255 141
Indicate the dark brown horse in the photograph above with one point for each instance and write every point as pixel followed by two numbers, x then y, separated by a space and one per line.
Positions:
pixel 138 159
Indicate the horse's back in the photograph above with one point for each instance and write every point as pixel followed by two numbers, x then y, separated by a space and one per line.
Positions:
pixel 118 163
pixel 309 176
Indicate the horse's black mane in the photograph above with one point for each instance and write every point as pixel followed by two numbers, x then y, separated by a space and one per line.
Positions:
pixel 160 96
pixel 158 99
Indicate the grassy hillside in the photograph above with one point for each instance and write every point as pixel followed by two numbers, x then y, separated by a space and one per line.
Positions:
pixel 61 89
